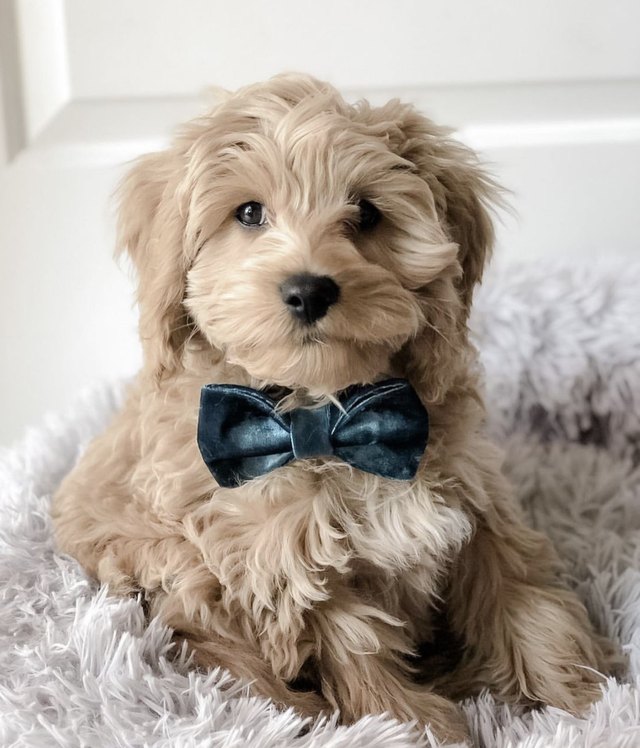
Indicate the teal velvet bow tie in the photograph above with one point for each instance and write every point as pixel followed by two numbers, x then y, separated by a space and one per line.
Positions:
pixel 382 429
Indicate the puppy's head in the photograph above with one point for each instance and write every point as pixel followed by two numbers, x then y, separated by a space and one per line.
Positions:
pixel 314 243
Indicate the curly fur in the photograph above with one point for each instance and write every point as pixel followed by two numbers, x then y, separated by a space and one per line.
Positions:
pixel 319 574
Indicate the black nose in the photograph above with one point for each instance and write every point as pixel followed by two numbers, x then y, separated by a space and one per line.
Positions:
pixel 308 296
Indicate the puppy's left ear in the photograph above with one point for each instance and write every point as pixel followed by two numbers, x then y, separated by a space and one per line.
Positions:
pixel 151 230
pixel 463 192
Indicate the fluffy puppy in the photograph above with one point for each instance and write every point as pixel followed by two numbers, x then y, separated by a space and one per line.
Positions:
pixel 318 575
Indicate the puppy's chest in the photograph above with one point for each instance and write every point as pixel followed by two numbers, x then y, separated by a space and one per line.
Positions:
pixel 396 525
pixel 337 521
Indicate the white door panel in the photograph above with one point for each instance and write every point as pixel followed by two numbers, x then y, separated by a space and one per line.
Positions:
pixel 163 47
pixel 66 309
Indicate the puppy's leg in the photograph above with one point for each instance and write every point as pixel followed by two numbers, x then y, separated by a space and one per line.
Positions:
pixel 526 636
pixel 363 672
pixel 131 553
pixel 243 660
pixel 183 593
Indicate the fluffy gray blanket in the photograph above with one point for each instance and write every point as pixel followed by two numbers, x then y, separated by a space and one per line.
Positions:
pixel 561 348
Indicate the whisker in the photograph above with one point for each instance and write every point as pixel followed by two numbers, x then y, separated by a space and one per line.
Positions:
pixel 192 335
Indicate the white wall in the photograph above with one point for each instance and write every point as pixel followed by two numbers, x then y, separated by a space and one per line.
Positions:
pixel 164 47
pixel 548 91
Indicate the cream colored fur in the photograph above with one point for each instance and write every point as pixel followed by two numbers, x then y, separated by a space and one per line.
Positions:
pixel 319 571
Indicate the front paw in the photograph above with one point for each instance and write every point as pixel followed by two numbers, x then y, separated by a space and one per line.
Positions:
pixel 441 716
pixel 575 696
pixel 560 658
pixel 566 675
pixel 446 721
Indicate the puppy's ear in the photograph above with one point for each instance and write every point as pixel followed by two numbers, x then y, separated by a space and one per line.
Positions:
pixel 463 192
pixel 151 229
pixel 462 197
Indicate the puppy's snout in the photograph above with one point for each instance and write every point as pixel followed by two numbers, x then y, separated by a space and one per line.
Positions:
pixel 308 297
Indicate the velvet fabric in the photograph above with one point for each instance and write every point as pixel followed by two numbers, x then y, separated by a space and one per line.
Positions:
pixel 381 428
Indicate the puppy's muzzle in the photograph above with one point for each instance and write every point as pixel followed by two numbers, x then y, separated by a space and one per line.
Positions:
pixel 308 297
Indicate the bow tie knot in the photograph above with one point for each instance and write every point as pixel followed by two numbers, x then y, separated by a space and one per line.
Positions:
pixel 310 433
pixel 381 428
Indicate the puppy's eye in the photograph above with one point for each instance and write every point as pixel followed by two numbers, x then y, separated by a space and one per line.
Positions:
pixel 251 214
pixel 369 215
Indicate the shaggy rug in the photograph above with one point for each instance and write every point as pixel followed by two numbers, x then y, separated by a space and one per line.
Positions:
pixel 561 349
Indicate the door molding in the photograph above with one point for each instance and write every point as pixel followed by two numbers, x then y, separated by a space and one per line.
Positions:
pixel 34 71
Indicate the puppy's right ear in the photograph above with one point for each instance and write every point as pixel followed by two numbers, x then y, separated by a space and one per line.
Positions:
pixel 151 230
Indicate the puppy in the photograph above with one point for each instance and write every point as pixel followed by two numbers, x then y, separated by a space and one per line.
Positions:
pixel 297 245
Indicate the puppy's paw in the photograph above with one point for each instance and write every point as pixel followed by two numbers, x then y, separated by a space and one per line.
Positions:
pixel 611 660
pixel 442 717
pixel 572 669
pixel 571 681
pixel 575 696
